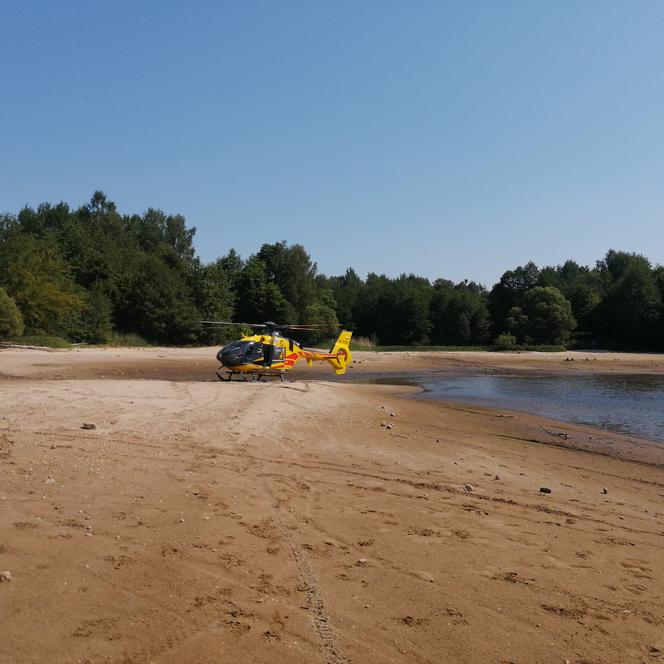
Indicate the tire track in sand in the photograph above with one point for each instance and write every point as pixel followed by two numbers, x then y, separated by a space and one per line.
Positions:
pixel 315 598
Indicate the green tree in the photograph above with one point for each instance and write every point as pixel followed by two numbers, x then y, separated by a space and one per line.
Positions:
pixel 346 290
pixel 94 323
pixel 508 292
pixel 325 318
pixel 213 296
pixel 549 315
pixel 628 316
pixel 158 232
pixel 259 299
pixel 405 311
pixel 291 270
pixel 159 306
pixel 38 279
pixel 583 287
pixel 459 314
pixel 11 321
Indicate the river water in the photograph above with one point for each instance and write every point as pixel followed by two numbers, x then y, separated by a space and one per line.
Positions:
pixel 626 403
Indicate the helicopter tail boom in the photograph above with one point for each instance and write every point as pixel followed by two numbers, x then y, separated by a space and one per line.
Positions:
pixel 339 356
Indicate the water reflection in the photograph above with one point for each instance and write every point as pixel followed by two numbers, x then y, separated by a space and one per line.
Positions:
pixel 630 404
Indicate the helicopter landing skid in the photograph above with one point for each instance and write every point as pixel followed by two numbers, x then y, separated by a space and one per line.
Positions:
pixel 258 375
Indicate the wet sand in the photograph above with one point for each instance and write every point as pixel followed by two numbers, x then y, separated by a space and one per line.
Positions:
pixel 208 522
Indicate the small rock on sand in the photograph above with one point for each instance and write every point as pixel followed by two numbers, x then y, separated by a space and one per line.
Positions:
pixel 5 576
pixel 88 425
pixel 469 488
pixel 545 489
pixel 605 490
pixel 389 426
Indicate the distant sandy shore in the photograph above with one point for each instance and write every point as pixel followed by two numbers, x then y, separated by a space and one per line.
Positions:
pixel 200 363
pixel 209 522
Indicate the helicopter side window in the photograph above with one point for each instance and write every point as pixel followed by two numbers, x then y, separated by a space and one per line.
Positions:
pixel 253 352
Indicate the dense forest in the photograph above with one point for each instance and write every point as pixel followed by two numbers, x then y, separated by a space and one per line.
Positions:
pixel 93 275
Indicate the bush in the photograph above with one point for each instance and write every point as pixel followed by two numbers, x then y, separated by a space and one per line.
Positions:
pixel 505 342
pixel 11 321
pixel 43 340
pixel 127 340
pixel 93 325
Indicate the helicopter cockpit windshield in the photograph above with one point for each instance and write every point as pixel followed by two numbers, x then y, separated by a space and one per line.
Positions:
pixel 241 352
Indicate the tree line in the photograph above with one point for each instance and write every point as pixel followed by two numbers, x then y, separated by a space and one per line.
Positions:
pixel 89 274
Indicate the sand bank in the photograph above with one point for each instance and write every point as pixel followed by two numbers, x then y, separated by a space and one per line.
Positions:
pixel 207 522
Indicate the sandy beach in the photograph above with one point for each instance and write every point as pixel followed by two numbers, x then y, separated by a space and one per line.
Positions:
pixel 202 521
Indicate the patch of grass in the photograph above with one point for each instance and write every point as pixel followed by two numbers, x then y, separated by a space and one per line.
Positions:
pixel 537 348
pixel 127 340
pixel 42 340
pixel 543 348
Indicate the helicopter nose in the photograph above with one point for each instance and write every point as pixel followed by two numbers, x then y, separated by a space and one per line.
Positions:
pixel 230 356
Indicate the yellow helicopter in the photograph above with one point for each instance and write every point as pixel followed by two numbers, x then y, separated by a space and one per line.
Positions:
pixel 267 353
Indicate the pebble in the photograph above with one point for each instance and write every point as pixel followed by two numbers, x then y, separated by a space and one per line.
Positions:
pixel 469 488
pixel 545 489
pixel 88 425
pixel 389 426
pixel 361 562
pixel 392 415
pixel 5 576
pixel 605 490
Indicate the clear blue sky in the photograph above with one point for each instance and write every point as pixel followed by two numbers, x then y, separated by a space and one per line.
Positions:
pixel 453 139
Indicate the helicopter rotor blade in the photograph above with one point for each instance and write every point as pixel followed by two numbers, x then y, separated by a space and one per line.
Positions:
pixel 309 326
pixel 274 326
pixel 223 322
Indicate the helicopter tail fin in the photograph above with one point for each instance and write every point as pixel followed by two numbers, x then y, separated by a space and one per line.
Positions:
pixel 341 351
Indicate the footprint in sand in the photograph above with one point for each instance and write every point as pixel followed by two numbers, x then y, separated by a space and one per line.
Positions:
pixel 424 532
pixel 461 534
pixel 564 612
pixel 97 628
pixel 637 568
pixel 636 588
